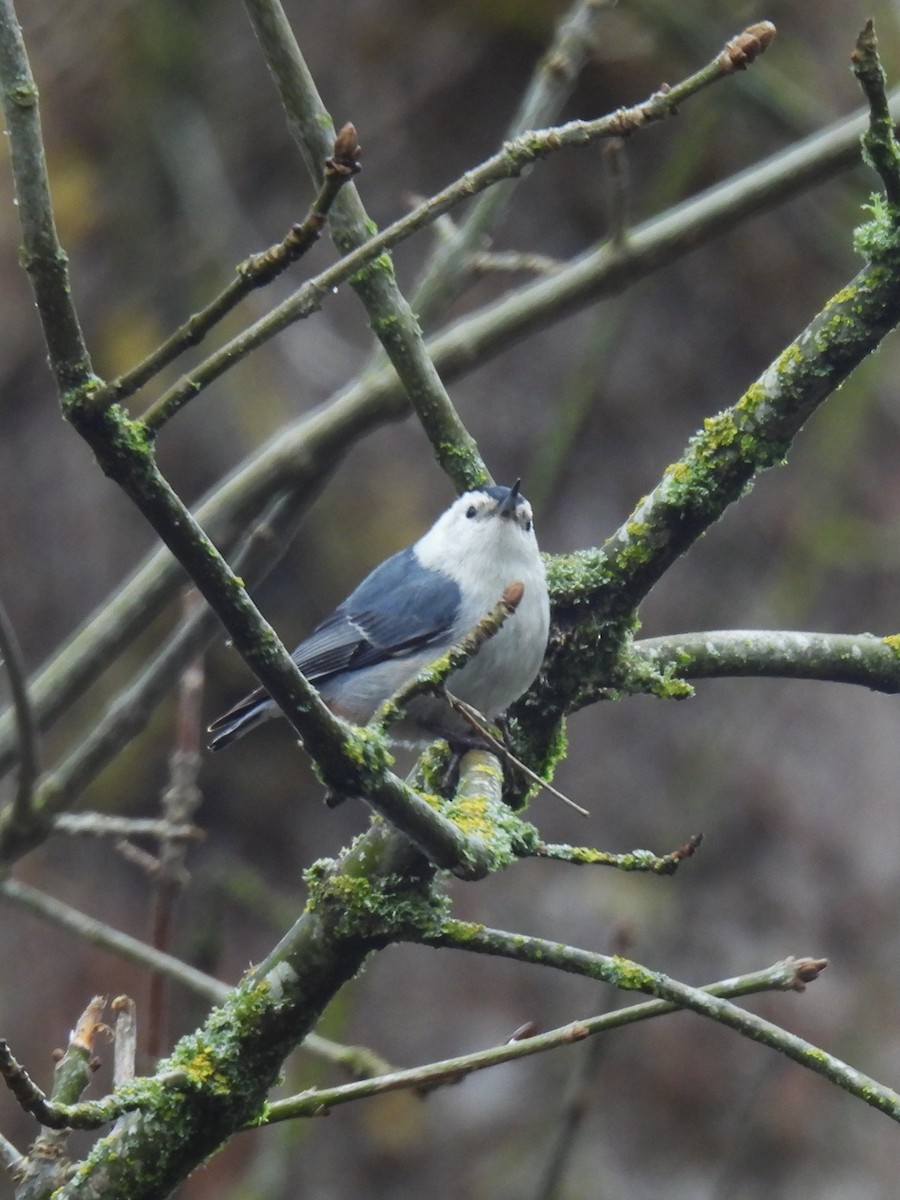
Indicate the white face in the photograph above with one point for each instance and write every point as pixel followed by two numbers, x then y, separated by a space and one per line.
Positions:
pixel 481 537
pixel 480 507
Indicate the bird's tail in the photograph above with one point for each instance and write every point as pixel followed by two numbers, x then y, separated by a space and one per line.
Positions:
pixel 246 715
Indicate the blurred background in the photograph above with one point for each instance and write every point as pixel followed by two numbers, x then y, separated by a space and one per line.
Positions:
pixel 170 163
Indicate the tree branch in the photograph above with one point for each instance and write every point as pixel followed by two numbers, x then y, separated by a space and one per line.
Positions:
pixel 301 457
pixel 879 143
pixel 861 659
pixel 392 320
pixel 790 975
pixel 366 253
pixel 254 272
pixel 42 256
pixel 630 976
pixel 11 657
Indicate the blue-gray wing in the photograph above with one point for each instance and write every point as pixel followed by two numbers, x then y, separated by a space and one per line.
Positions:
pixel 397 610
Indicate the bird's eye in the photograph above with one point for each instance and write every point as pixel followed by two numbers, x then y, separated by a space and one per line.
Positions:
pixel 471 511
pixel 528 526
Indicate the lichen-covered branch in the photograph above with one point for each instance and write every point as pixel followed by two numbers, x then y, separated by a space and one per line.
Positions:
pixel 595 593
pixel 862 659
pixel 631 860
pixel 631 976
pixel 217 1079
pixel 790 975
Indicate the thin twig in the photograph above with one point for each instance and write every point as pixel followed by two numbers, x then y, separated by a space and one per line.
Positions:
pixel 254 272
pixel 581 1085
pixel 96 824
pixel 616 163
pixel 29 764
pixel 631 976
pixel 127 716
pixel 790 975
pixel 430 679
pixel 42 255
pixel 477 721
pixel 879 142
pixel 390 316
pixel 431 402
pixel 574 40
pixel 180 801
pixel 125 1055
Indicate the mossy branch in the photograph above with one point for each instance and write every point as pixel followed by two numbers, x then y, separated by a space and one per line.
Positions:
pixel 879 143
pixel 599 590
pixel 630 976
pixel 861 659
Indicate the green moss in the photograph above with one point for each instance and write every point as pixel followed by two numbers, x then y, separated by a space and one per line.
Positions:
pixel 462 931
pixel 360 907
pixel 630 976
pixel 878 238
pixel 380 265
pixel 893 643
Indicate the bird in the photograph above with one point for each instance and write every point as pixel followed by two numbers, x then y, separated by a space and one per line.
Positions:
pixel 411 609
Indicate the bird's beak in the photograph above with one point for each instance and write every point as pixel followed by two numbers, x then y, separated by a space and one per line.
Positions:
pixel 508 507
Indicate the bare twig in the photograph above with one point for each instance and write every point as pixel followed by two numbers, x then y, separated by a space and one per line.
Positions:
pixel 29 768
pixel 180 801
pixel 125 1054
pixel 631 976
pixel 255 272
pixel 431 402
pixel 71 1076
pixel 792 974
pixel 478 722
pixel 616 163
pixel 574 40
pixel 98 933
pixel 42 256
pixel 581 1085
pixel 95 824
pixel 431 679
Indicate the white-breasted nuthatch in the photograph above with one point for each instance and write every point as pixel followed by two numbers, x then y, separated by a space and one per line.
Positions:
pixel 413 608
